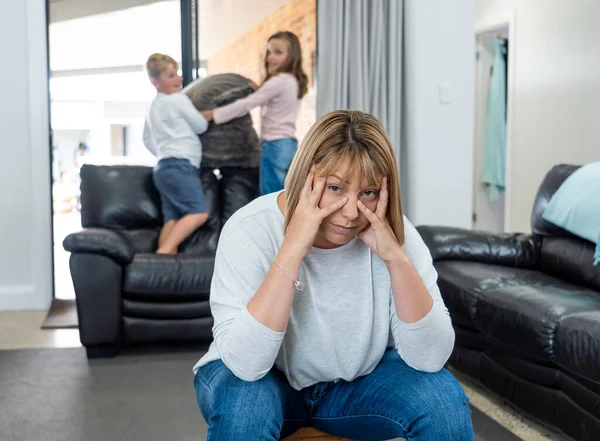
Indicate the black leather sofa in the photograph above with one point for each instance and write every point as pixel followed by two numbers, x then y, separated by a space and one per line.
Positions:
pixel 526 311
pixel 125 293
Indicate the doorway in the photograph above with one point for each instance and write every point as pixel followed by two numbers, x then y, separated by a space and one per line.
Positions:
pixel 491 203
pixel 99 93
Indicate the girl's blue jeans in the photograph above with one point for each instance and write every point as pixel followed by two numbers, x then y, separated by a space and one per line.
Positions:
pixel 275 162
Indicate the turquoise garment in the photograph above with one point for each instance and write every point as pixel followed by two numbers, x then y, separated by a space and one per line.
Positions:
pixel 494 157
pixel 576 205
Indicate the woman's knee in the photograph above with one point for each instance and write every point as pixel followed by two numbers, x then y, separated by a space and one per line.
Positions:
pixel 235 407
pixel 445 409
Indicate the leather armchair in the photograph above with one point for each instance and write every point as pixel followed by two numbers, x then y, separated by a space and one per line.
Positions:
pixel 125 293
pixel 526 312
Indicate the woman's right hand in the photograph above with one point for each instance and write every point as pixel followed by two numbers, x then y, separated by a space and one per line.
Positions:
pixel 307 218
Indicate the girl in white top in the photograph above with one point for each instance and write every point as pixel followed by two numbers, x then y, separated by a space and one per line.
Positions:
pixel 326 307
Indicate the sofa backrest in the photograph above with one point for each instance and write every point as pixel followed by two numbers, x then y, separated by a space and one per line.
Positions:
pixel 553 179
pixel 562 254
pixel 123 197
pixel 570 259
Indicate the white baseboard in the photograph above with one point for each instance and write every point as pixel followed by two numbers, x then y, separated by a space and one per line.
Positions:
pixel 21 297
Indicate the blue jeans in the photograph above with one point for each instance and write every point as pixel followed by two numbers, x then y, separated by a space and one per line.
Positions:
pixel 394 400
pixel 180 188
pixel 275 162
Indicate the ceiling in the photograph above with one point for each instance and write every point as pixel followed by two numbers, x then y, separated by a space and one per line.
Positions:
pixel 221 21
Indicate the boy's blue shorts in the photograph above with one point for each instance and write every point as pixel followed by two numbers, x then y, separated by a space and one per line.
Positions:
pixel 180 188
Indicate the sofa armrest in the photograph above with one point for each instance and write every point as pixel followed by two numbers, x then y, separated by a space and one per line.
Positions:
pixel 98 283
pixel 449 243
pixel 103 241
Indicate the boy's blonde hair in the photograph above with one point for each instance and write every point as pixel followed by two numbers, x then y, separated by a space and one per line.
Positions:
pixel 157 63
pixel 353 138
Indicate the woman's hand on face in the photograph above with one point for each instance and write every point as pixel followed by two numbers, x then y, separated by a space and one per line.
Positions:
pixel 378 235
pixel 307 218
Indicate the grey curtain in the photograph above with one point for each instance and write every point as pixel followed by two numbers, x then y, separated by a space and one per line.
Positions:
pixel 359 60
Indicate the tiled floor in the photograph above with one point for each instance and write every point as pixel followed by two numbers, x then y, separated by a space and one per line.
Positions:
pixel 21 329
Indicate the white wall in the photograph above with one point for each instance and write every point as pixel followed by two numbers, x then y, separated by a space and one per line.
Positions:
pixel 25 232
pixel 556 91
pixel 437 156
pixel 135 144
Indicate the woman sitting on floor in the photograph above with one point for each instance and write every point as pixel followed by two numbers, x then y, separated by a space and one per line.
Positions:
pixel 326 307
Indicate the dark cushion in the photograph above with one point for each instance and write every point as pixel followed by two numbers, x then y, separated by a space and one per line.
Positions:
pixel 516 308
pixel 525 312
pixel 166 310
pixel 463 283
pixel 578 341
pixel 119 197
pixel 552 181
pixel 239 186
pixel 124 198
pixel 232 144
pixel 142 330
pixel 169 278
pixel 570 259
pixel 142 241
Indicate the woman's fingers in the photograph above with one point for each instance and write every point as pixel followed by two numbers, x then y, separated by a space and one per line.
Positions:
pixel 308 185
pixel 317 191
pixel 382 204
pixel 371 217
pixel 333 207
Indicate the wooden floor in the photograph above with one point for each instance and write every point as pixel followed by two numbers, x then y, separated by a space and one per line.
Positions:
pixel 310 434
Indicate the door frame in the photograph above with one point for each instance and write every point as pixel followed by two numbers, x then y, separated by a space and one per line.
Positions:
pixel 490 23
pixel 189 11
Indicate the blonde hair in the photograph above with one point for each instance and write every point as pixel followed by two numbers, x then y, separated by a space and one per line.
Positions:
pixel 293 63
pixel 157 63
pixel 353 138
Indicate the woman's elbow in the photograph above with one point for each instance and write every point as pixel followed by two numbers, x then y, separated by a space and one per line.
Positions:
pixel 244 374
pixel 430 365
pixel 436 360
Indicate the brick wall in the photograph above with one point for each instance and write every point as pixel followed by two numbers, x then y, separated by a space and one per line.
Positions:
pixel 245 55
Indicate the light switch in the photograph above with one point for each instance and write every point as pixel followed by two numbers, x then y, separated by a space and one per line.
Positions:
pixel 445 92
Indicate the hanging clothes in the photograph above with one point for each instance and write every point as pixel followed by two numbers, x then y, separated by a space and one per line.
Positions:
pixel 494 157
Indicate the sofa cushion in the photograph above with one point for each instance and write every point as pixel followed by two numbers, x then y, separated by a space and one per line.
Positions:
pixel 168 278
pixel 119 197
pixel 578 342
pixel 142 330
pixel 462 283
pixel 515 308
pixel 166 310
pixel 523 314
pixel 570 259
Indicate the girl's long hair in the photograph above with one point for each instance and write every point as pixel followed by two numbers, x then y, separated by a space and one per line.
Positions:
pixel 293 63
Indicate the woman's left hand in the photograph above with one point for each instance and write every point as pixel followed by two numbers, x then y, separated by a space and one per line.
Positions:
pixel 378 235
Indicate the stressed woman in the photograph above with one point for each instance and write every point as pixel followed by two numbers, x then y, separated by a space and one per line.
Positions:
pixel 326 306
